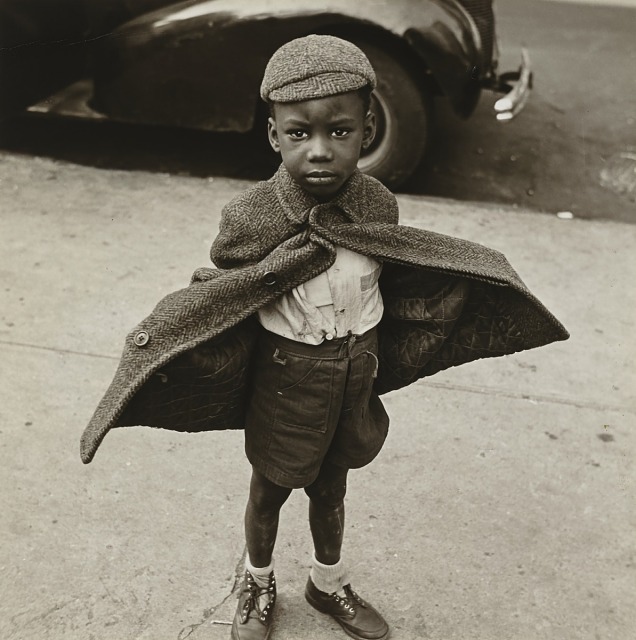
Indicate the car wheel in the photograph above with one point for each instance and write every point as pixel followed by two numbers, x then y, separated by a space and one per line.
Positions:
pixel 403 112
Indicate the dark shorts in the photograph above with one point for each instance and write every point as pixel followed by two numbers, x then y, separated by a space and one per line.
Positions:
pixel 313 403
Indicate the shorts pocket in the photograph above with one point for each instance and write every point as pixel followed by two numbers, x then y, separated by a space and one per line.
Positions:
pixel 304 391
pixel 295 451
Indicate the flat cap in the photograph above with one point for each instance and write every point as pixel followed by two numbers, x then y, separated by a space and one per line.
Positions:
pixel 315 67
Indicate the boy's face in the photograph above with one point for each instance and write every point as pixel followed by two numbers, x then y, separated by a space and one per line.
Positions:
pixel 320 140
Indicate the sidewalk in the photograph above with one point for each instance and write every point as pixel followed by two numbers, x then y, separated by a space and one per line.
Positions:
pixel 501 508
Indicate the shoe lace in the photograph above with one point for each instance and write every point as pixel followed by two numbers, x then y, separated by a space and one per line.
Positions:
pixel 254 594
pixel 351 599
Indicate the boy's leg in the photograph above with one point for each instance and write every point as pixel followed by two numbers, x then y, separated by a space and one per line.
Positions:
pixel 327 512
pixel 261 518
pixel 327 589
pixel 258 595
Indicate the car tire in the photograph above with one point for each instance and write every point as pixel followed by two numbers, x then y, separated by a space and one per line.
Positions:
pixel 404 112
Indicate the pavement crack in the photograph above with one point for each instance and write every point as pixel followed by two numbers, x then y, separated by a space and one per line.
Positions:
pixel 535 398
pixel 39 347
pixel 25 619
pixel 208 614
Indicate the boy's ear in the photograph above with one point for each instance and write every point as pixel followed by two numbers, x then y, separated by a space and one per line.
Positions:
pixel 368 134
pixel 272 134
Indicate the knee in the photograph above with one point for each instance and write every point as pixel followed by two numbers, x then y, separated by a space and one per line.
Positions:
pixel 266 496
pixel 328 493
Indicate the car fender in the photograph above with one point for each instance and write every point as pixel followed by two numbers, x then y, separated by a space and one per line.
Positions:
pixel 177 65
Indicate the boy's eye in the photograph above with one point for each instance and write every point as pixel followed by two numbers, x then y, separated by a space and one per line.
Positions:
pixel 340 133
pixel 297 134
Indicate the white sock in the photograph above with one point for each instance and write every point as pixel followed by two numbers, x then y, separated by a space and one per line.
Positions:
pixel 328 578
pixel 260 574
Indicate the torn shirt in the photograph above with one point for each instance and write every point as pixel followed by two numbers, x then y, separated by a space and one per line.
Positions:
pixel 345 298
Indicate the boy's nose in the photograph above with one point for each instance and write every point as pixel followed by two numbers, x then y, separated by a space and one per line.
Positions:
pixel 319 151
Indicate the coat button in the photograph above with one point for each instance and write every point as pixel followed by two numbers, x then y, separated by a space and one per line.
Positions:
pixel 269 278
pixel 328 336
pixel 141 339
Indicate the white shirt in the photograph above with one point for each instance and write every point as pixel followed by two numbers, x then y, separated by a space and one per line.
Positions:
pixel 344 298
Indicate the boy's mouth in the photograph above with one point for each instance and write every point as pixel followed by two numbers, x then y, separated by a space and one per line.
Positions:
pixel 321 177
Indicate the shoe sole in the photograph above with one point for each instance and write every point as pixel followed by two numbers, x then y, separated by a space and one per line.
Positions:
pixel 350 633
pixel 234 633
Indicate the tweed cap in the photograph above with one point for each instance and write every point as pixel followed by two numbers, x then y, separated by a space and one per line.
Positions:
pixel 315 67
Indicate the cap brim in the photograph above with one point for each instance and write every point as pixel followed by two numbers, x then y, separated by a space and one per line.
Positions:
pixel 320 86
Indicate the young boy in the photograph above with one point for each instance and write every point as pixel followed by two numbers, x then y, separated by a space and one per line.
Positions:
pixel 310 417
pixel 290 337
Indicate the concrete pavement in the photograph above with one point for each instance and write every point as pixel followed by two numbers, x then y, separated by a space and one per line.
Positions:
pixel 500 508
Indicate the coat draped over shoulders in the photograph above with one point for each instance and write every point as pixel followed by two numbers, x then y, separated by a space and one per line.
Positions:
pixel 447 301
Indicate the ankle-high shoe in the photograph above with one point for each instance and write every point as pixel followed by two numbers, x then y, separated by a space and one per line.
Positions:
pixel 253 617
pixel 358 618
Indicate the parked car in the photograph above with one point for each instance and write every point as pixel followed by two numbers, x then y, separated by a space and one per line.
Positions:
pixel 198 64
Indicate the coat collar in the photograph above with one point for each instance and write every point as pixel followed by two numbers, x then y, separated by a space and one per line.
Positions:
pixel 297 203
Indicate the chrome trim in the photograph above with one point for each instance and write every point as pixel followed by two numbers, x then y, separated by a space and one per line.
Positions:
pixel 518 84
pixel 70 102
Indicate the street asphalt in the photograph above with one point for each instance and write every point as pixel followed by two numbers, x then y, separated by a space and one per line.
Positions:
pixel 501 507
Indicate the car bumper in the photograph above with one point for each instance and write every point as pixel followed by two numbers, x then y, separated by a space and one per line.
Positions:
pixel 516 85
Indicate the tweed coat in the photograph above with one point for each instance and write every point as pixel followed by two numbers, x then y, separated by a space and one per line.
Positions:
pixel 447 301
